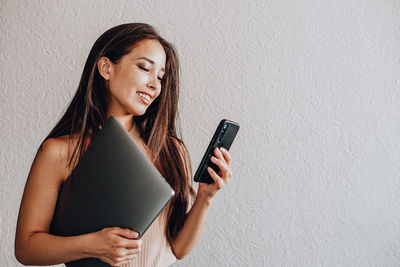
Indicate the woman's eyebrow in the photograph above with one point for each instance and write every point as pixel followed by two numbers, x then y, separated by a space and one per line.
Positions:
pixel 151 61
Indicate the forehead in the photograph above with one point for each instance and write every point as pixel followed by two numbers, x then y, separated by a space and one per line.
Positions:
pixel 151 49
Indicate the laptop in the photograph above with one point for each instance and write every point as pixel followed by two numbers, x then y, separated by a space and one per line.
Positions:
pixel 113 184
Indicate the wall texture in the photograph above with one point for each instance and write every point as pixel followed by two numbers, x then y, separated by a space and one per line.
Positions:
pixel 314 85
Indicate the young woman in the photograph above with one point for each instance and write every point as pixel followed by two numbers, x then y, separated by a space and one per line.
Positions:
pixel 132 74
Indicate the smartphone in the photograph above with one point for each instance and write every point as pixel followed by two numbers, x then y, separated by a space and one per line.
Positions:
pixel 223 137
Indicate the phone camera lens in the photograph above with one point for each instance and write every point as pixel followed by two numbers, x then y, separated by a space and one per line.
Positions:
pixel 225 126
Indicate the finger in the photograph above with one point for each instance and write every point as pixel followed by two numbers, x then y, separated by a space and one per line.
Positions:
pixel 125 254
pixel 222 166
pixel 124 260
pixel 131 243
pixel 127 233
pixel 129 252
pixel 217 180
pixel 226 155
pixel 218 153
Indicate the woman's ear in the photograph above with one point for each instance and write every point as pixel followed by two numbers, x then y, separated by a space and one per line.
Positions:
pixel 104 66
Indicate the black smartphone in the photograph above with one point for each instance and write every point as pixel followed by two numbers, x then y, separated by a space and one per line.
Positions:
pixel 223 137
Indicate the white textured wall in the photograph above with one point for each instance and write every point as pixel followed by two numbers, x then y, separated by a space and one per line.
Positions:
pixel 314 85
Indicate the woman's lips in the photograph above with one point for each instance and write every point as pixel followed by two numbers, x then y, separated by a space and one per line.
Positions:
pixel 144 97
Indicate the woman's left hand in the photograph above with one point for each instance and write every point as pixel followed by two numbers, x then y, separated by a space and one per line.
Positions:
pixel 222 159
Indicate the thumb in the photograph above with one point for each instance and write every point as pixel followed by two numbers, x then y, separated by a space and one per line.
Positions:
pixel 128 233
pixel 131 234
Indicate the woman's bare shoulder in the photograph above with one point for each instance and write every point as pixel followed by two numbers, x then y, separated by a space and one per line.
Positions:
pixel 58 150
pixel 57 147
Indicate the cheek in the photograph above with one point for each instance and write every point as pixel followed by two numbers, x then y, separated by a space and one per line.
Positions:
pixel 129 77
pixel 135 77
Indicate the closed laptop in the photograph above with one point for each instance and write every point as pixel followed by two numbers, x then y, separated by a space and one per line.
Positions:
pixel 113 184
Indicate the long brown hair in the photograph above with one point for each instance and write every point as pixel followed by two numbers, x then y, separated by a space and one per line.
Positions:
pixel 87 113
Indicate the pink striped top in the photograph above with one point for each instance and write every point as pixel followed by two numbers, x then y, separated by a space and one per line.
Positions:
pixel 156 251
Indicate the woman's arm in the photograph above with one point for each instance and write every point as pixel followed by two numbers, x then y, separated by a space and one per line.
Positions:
pixel 34 245
pixel 45 249
pixel 192 229
pixel 41 248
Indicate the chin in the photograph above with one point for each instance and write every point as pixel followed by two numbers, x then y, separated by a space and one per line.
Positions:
pixel 137 111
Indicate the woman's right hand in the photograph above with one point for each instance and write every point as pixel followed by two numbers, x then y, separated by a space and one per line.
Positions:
pixel 116 245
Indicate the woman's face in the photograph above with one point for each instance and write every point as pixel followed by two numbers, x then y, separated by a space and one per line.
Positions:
pixel 135 81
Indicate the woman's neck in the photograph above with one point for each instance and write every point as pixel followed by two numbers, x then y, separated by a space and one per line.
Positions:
pixel 126 121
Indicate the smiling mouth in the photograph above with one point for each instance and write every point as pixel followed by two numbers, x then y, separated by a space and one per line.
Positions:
pixel 144 96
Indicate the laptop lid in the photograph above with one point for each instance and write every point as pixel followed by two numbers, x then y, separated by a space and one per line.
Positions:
pixel 113 184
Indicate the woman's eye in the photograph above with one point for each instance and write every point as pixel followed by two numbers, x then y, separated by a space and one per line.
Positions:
pixel 143 68
pixel 147 70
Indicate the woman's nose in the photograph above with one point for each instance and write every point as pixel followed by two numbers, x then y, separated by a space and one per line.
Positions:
pixel 153 82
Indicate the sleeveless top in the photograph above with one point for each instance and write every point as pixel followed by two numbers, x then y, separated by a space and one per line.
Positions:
pixel 156 251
